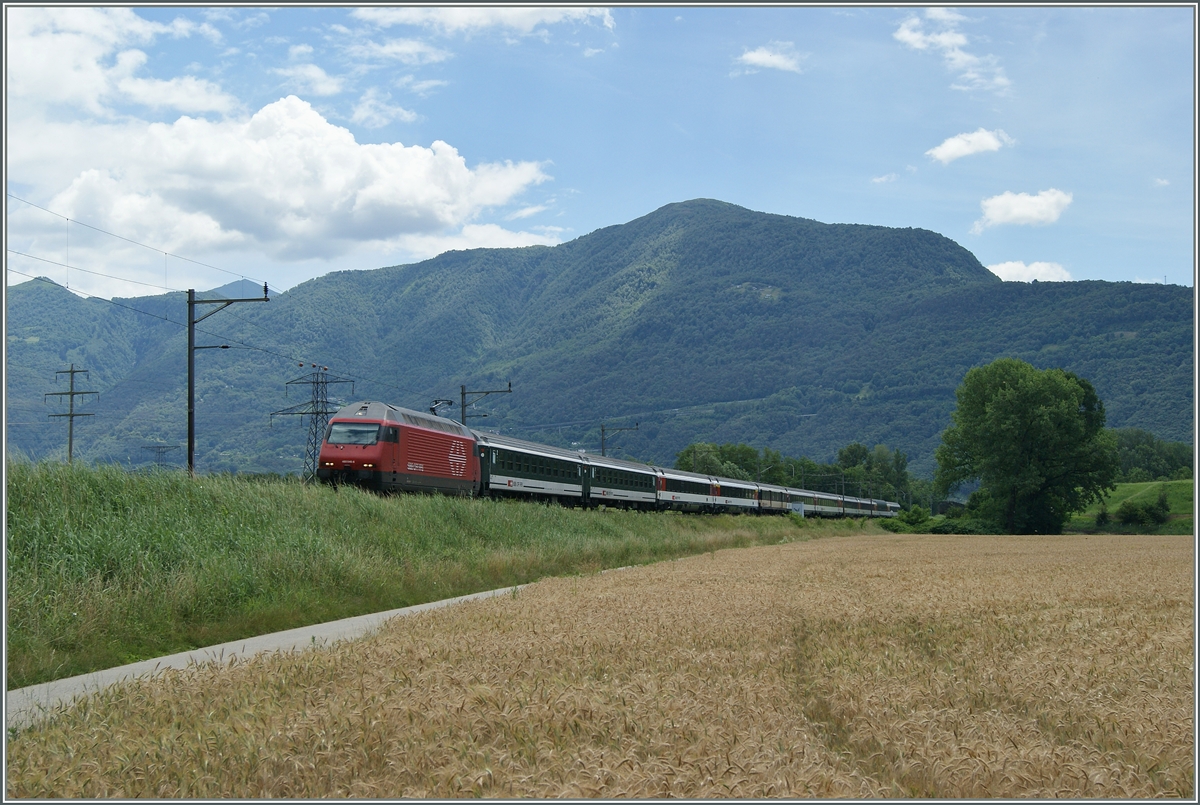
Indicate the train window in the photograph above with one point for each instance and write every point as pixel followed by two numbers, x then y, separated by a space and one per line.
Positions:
pixel 391 433
pixel 353 433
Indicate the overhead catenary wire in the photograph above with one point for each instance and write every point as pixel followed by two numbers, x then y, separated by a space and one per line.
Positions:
pixel 134 242
pixel 84 270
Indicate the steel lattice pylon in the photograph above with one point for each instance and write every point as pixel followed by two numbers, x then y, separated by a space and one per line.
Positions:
pixel 317 410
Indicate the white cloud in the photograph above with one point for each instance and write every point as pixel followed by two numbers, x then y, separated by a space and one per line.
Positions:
pixel 1022 208
pixel 451 20
pixel 1161 182
pixel 405 51
pixel 373 111
pixel 961 145
pixel 1017 271
pixel 238 18
pixel 944 15
pixel 422 88
pixel 311 79
pixel 973 72
pixel 473 236
pixel 891 177
pixel 282 186
pixel 526 212
pixel 284 182
pixel 589 52
pixel 59 55
pixel 775 56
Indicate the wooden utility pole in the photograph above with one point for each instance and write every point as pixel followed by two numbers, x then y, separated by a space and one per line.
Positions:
pixel 70 415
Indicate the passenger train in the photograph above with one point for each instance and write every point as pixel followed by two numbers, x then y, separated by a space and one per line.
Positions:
pixel 388 449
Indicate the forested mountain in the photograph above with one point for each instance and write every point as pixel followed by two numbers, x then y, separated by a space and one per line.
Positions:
pixel 701 321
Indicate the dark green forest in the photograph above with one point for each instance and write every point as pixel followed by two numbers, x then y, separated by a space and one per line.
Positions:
pixel 701 322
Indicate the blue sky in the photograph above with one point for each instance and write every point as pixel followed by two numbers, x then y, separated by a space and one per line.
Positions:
pixel 283 143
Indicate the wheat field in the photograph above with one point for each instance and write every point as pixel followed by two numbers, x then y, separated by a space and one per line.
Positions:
pixel 852 666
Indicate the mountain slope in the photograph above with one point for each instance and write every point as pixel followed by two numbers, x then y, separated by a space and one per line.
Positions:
pixel 701 320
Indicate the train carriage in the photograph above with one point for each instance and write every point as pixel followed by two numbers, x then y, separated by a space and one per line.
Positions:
pixel 517 468
pixel 856 507
pixel 773 499
pixel 735 496
pixel 822 504
pixel 680 490
pixel 614 482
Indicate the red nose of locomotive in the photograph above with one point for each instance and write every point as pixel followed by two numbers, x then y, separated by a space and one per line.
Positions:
pixel 352 451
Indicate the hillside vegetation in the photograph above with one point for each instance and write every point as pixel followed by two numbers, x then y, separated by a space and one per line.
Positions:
pixel 702 321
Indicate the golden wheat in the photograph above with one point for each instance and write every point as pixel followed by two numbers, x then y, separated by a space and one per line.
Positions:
pixel 863 666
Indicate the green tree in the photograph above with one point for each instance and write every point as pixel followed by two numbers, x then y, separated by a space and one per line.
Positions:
pixel 852 455
pixel 700 457
pixel 1034 439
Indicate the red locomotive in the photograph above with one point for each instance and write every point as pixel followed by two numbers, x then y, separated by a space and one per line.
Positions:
pixel 389 449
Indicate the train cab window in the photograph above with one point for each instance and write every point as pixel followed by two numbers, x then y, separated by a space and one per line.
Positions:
pixel 353 433
pixel 391 433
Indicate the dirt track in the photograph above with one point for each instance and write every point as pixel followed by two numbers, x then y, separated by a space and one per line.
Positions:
pixel 846 667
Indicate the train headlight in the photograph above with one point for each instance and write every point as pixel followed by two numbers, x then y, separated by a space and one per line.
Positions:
pixel 368 465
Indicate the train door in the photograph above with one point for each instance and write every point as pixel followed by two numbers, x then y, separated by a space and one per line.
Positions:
pixel 391 444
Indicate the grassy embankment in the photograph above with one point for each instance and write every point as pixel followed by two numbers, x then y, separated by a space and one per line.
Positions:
pixel 107 567
pixel 1180 520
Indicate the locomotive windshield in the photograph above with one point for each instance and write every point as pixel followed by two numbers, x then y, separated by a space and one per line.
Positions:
pixel 353 433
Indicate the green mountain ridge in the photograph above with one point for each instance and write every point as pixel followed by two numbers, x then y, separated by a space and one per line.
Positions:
pixel 699 321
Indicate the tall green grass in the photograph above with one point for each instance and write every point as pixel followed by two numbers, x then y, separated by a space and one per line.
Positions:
pixel 106 567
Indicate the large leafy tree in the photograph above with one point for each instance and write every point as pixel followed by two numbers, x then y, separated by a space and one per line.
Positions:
pixel 1035 440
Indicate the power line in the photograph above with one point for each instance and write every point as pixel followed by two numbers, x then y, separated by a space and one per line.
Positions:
pixel 86 271
pixel 131 240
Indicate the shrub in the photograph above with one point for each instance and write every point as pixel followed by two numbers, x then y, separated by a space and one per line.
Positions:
pixel 914 516
pixel 1137 475
pixel 1145 512
pixel 965 525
